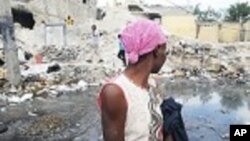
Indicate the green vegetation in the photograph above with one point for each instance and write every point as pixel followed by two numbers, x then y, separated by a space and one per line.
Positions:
pixel 238 11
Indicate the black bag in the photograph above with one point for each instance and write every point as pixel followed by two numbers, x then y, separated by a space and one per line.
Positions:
pixel 172 120
pixel 27 55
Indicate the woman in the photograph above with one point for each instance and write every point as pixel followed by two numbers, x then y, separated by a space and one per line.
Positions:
pixel 127 109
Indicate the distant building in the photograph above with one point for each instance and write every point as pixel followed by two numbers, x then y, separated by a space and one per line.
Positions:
pixel 179 21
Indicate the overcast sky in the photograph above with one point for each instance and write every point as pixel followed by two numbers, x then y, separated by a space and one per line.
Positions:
pixel 217 4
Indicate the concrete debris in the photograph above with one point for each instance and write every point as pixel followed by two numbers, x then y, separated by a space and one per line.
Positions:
pixel 187 60
pixel 61 54
pixel 215 60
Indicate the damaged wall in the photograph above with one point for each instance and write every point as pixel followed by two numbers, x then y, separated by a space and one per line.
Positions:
pixel 23 17
pixel 51 11
pixel 32 16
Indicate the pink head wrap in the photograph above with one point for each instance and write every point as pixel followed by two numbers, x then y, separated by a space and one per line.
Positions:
pixel 140 38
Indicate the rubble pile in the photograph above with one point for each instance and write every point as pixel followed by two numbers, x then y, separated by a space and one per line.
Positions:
pixel 55 81
pixel 67 66
pixel 72 74
pixel 52 53
pixel 190 58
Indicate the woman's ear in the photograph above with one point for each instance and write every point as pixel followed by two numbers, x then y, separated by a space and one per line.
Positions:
pixel 155 54
pixel 156 51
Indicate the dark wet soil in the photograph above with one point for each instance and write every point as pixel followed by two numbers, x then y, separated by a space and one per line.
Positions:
pixel 71 117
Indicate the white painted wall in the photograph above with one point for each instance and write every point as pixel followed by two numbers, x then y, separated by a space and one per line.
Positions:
pixel 105 3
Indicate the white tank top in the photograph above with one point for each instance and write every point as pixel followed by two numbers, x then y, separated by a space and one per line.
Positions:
pixel 139 119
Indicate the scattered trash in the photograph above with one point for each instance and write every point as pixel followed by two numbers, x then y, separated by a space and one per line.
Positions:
pixel 64 88
pixel 27 55
pixel 26 97
pixel 32 114
pixel 32 78
pixel 13 89
pixel 82 84
pixel 89 61
pixel 94 84
pixel 240 82
pixel 53 68
pixel 53 93
pixel 223 111
pixel 225 136
pixel 1 62
pixel 39 58
pixel 100 61
pixel 248 91
pixel 3 109
pixel 16 99
pixel 3 128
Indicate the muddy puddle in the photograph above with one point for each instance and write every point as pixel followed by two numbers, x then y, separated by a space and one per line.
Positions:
pixel 209 120
pixel 210 108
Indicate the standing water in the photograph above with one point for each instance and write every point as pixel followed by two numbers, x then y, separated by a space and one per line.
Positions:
pixel 209 108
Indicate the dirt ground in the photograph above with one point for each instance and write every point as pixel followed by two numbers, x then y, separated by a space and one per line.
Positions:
pixel 208 110
pixel 71 117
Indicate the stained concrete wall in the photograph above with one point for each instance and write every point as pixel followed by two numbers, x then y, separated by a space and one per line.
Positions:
pixel 181 25
pixel 185 26
pixel 247 27
pixel 230 32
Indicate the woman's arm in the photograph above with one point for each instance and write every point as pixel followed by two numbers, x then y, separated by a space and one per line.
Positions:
pixel 114 108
